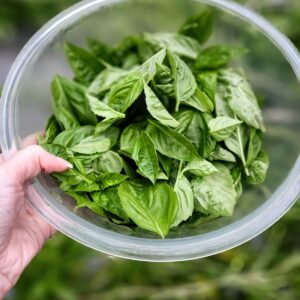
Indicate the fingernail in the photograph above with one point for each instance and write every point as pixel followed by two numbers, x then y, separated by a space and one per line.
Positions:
pixel 70 166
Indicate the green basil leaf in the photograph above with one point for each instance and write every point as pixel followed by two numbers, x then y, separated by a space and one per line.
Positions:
pixel 125 92
pixel 86 187
pixel 222 127
pixel 85 66
pixel 148 69
pixel 151 207
pixel 72 137
pixel 110 201
pixel 109 162
pixel 194 126
pixel 207 82
pixel 236 143
pixel 130 136
pixel 77 99
pixel 236 174
pixel 221 103
pixel 156 108
pixel 200 167
pixel 258 169
pixel 223 154
pixel 185 198
pixel 51 131
pixel 99 49
pixel 166 163
pixel 170 143
pixel 200 102
pixel 101 109
pixel 177 43
pixel 254 146
pixel 83 201
pixel 218 56
pixel 145 156
pixel 241 98
pixel 215 194
pixel 61 106
pixel 199 26
pixel 105 80
pixel 56 150
pixel 72 177
pixel 91 145
pixel 110 179
pixel 185 83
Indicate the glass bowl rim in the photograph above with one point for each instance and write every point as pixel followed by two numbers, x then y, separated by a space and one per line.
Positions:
pixel 137 248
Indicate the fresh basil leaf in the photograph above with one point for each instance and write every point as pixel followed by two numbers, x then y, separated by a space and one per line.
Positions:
pixel 77 100
pixel 105 80
pixel 51 131
pixel 221 103
pixel 92 144
pixel 254 146
pixel 185 83
pixel 170 143
pixel 56 150
pixel 72 177
pixel 156 108
pixel 104 125
pixel 130 136
pixel 148 69
pixel 72 137
pixel 200 102
pixel 241 98
pixel 101 109
pixel 167 89
pixel 207 82
pixel 110 201
pixel 223 154
pixel 99 49
pixel 199 26
pixel 194 126
pixel 236 174
pixel 145 156
pixel 200 167
pixel 163 74
pixel 125 92
pixel 222 127
pixel 160 175
pixel 61 106
pixel 185 198
pixel 177 43
pixel 215 194
pixel 166 163
pixel 109 162
pixel 258 169
pixel 110 179
pixel 113 134
pixel 86 187
pixel 85 66
pixel 218 56
pixel 83 201
pixel 151 207
pixel 236 143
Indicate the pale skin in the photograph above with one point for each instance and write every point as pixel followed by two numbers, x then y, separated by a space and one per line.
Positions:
pixel 22 231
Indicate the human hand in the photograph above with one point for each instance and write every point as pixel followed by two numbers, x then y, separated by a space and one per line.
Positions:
pixel 22 231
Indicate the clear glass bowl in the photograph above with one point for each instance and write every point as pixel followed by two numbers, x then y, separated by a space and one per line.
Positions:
pixel 273 66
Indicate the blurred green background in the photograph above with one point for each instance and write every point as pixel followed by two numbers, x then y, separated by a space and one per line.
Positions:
pixel 266 268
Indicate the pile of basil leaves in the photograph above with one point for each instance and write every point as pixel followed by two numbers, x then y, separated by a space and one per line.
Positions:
pixel 158 128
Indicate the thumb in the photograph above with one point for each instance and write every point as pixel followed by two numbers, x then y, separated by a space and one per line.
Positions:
pixel 32 160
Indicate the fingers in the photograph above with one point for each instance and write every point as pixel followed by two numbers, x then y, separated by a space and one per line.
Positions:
pixel 30 161
pixel 30 140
